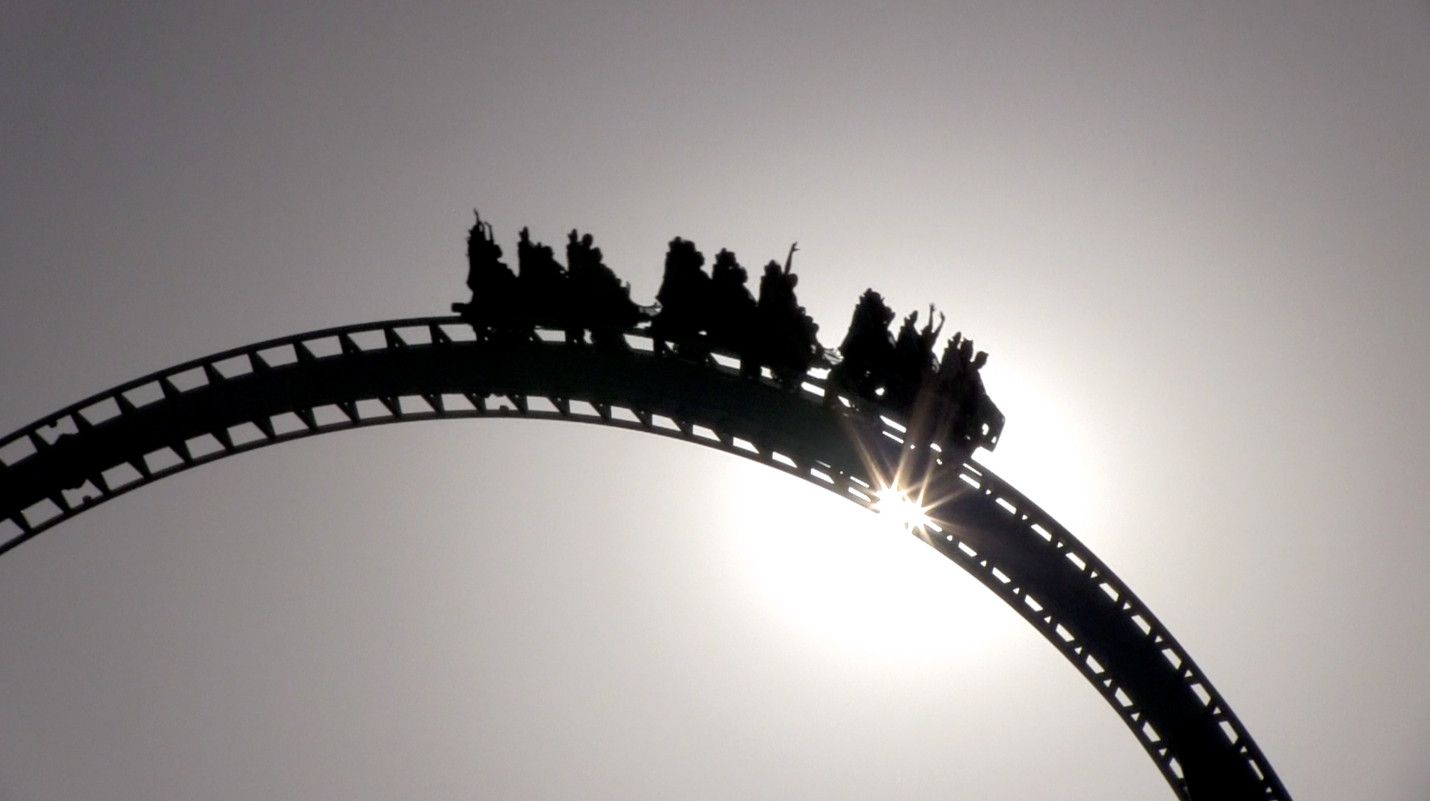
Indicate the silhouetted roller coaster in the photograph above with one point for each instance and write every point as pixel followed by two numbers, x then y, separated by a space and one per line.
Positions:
pixel 433 368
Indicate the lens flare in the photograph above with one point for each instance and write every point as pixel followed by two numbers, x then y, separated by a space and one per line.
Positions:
pixel 901 509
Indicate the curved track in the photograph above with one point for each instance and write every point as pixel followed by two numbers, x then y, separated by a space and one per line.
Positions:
pixel 430 368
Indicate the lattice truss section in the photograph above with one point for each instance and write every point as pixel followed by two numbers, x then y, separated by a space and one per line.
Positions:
pixel 1053 545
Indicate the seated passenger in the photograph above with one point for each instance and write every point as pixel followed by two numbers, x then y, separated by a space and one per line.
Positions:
pixel 912 366
pixel 962 403
pixel 867 349
pixel 601 302
pixel 542 283
pixel 787 339
pixel 684 299
pixel 494 292
pixel 731 322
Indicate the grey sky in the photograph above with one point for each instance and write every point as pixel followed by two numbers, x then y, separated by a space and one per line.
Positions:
pixel 1193 238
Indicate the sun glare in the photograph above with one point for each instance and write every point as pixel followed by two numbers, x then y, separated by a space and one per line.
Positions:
pixel 839 577
pixel 899 508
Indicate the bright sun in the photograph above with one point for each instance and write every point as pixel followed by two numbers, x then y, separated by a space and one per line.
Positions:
pixel 840 577
pixel 899 508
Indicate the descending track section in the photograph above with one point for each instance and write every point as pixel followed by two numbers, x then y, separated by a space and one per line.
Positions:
pixel 431 368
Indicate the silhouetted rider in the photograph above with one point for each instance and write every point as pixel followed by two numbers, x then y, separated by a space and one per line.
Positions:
pixel 493 307
pixel 542 281
pixel 912 367
pixel 685 302
pixel 732 312
pixel 601 303
pixel 787 335
pixel 868 349
pixel 963 405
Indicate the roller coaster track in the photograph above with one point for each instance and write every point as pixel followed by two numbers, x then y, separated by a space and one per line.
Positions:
pixel 434 368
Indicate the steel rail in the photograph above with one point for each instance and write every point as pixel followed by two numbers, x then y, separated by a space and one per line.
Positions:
pixel 434 368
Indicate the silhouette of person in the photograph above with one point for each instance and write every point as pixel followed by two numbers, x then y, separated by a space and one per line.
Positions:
pixel 684 299
pixel 913 364
pixel 493 285
pixel 964 408
pixel 787 334
pixel 867 350
pixel 601 303
pixel 732 312
pixel 543 285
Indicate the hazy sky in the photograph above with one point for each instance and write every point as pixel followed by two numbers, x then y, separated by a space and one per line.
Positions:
pixel 1194 237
